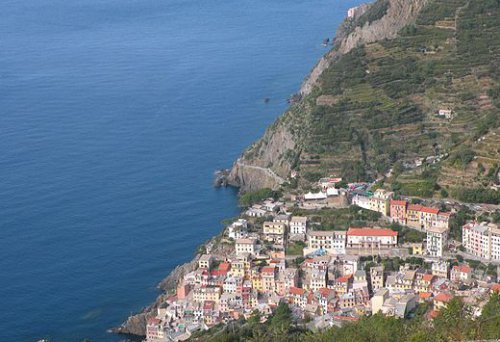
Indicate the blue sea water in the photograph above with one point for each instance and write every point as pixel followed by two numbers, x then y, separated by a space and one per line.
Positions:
pixel 113 116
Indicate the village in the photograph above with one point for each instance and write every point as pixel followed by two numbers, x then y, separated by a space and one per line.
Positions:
pixel 330 277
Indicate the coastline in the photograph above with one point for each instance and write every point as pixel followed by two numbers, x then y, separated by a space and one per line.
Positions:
pixel 136 323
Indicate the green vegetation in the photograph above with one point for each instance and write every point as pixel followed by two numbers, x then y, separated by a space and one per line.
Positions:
pixel 377 11
pixel 454 323
pixel 295 248
pixel 339 219
pixel 406 234
pixel 477 195
pixel 251 198
pixel 457 221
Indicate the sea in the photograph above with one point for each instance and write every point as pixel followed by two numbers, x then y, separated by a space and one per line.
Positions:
pixel 114 115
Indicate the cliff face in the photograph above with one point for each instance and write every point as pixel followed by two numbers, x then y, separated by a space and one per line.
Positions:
pixel 269 161
pixel 399 14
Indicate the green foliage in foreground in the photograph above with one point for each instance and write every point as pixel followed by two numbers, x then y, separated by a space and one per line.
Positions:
pixel 455 323
pixel 251 198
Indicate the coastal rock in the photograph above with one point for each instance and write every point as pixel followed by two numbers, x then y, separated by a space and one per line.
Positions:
pixel 136 324
pixel 169 284
pixel 263 165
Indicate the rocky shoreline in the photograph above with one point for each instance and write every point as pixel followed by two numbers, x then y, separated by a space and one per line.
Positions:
pixel 136 324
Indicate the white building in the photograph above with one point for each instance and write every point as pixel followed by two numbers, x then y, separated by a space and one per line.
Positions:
pixel 246 246
pixel 436 240
pixel 238 229
pixel 298 225
pixel 371 238
pixel 332 242
pixel 482 240
pixel 315 196
pixel 440 269
pixel 447 113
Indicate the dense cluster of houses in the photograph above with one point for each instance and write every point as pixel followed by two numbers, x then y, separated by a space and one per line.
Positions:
pixel 331 285
pixel 430 220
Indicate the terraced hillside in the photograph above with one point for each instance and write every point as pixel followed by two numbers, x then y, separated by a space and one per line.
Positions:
pixel 375 107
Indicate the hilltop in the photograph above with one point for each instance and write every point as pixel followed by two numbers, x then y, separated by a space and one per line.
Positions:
pixel 409 95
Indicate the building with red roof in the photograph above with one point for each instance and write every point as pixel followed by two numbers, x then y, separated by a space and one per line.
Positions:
pixel 371 239
pixel 441 300
pixel 461 273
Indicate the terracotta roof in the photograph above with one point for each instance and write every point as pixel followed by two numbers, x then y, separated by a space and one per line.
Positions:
pixel 425 295
pixel 447 213
pixel 396 202
pixel 296 291
pixel 427 277
pixel 224 267
pixel 495 287
pixel 267 270
pixel 325 292
pixel 154 320
pixel 371 232
pixel 416 207
pixel 462 268
pixel 344 279
pixel 429 210
pixel 443 297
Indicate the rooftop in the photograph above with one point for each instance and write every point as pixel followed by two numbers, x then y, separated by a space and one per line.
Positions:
pixel 371 232
pixel 443 297
pixel 429 210
pixel 396 202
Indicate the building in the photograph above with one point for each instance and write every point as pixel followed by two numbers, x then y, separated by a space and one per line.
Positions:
pixel 436 240
pixel 238 229
pixel 156 330
pixel 398 211
pixel 268 275
pixel 461 273
pixel 413 216
pixel 399 305
pixel 298 226
pixel 331 242
pixel 440 269
pixel 446 113
pixel 246 246
pixel 482 240
pixel 379 202
pixel 378 300
pixel 371 239
pixel 441 300
pixel 377 278
pixel 420 217
pixel 203 293
pixel 316 279
pixel 205 261
pixel 427 217
pixel 274 231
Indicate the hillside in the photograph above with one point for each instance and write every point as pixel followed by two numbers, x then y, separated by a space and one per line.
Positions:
pixel 372 103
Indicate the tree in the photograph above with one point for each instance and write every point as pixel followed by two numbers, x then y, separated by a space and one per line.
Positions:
pixel 282 317
pixel 489 321
pixel 454 321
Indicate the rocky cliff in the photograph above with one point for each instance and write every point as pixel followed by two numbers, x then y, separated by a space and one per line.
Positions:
pixel 268 162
